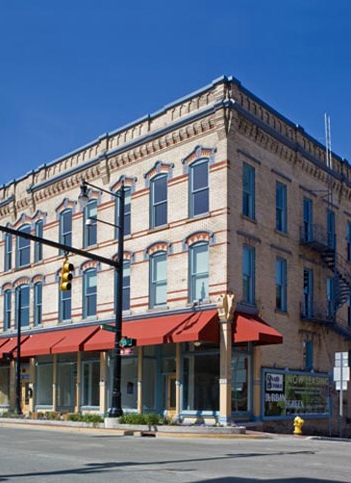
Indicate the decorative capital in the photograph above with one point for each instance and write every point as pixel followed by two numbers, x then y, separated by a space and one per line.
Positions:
pixel 226 306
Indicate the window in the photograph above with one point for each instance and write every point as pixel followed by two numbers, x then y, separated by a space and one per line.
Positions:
pixel 91 383
pixel 8 252
pixel 348 238
pixel 281 284
pixel 307 308
pixel 65 308
pixel 66 228
pixel 22 306
pixel 125 288
pixel 38 302
pixel 199 189
pixel 349 310
pixel 330 297
pixel 158 201
pixel 331 228
pixel 158 279
pixel 307 220
pixel 90 293
pixel 308 355
pixel 7 309
pixel 38 247
pixel 23 248
pixel 90 226
pixel 249 274
pixel 127 212
pixel 199 271
pixel 281 207
pixel 248 191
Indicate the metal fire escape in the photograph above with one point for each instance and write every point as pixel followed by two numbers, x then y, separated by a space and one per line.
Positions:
pixel 323 242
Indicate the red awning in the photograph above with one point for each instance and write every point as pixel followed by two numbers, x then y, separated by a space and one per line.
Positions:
pixel 73 340
pixel 162 330
pixel 250 328
pixel 41 344
pixel 11 345
pixel 3 341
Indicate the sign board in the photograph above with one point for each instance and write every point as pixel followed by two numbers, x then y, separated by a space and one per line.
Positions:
pixel 110 328
pixel 338 386
pixel 341 359
pixel 341 374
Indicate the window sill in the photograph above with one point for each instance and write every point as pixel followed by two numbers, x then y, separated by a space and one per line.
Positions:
pixel 159 308
pixel 158 228
pixel 281 233
pixel 248 218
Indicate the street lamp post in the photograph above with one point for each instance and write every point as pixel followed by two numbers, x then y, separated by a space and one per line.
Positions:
pixel 18 407
pixel 115 410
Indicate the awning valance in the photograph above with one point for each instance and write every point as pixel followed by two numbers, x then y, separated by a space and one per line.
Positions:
pixel 251 328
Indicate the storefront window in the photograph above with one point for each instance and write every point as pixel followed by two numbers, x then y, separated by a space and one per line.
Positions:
pixel 149 383
pixel 240 384
pixel 65 385
pixel 129 382
pixel 4 385
pixel 91 383
pixel 44 380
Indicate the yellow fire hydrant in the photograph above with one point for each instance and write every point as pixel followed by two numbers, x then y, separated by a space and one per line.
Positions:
pixel 298 423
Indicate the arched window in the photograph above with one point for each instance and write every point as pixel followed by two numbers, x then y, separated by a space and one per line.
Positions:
pixel 198 271
pixel 127 211
pixel 90 293
pixel 199 188
pixel 22 306
pixel 158 279
pixel 158 200
pixel 23 248
pixel 7 309
pixel 38 247
pixel 66 227
pixel 65 305
pixel 38 303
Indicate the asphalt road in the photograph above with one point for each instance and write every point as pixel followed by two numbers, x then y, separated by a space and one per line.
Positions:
pixel 39 455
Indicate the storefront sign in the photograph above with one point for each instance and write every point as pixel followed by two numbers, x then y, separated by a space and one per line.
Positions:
pixel 288 393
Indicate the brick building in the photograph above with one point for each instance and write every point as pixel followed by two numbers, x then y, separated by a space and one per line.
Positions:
pixel 236 268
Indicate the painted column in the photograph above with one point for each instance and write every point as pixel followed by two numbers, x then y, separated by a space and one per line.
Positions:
pixel 32 384
pixel 178 381
pixel 226 308
pixel 140 381
pixel 102 384
pixel 54 384
pixel 78 382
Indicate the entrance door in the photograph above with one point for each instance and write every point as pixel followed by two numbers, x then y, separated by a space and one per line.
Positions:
pixel 171 395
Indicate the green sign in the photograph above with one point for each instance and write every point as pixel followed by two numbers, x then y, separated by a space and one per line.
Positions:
pixel 110 328
pixel 292 393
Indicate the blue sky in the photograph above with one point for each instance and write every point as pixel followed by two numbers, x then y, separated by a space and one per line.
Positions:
pixel 72 70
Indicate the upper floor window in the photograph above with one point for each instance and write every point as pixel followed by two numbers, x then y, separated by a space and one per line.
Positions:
pixel 199 188
pixel 38 247
pixel 66 227
pixel 307 308
pixel 281 207
pixel 348 239
pixel 125 286
pixel 330 297
pixel 22 306
pixel 248 274
pixel 8 252
pixel 65 305
pixel 307 219
pixel 90 226
pixel 248 191
pixel 7 309
pixel 23 248
pixel 281 284
pixel 90 293
pixel 199 271
pixel 38 303
pixel 158 279
pixel 127 211
pixel 331 228
pixel 158 201
pixel 308 355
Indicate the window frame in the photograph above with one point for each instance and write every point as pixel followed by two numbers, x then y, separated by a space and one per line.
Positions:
pixel 38 246
pixel 281 284
pixel 307 219
pixel 127 211
pixel 158 200
pixel 125 287
pixel 248 274
pixel 89 299
pixel 248 201
pixel 7 309
pixel 331 234
pixel 38 303
pixel 90 229
pixel 65 305
pixel 8 250
pixel 23 248
pixel 307 292
pixel 157 285
pixel 65 236
pixel 196 275
pixel 281 215
pixel 22 308
pixel 197 192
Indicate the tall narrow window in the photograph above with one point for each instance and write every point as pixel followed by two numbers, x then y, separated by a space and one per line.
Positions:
pixel 331 228
pixel 248 191
pixel 199 189
pixel 125 288
pixel 330 297
pixel 349 310
pixel 281 284
pixel 307 219
pixel 8 252
pixel 23 248
pixel 22 305
pixel 348 238
pixel 65 307
pixel 7 309
pixel 308 354
pixel 38 303
pixel 127 212
pixel 248 274
pixel 158 279
pixel 199 271
pixel 158 201
pixel 66 228
pixel 281 207
pixel 307 308
pixel 38 247
pixel 90 226
pixel 90 293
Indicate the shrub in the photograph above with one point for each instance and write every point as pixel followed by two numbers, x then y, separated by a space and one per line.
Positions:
pixel 148 419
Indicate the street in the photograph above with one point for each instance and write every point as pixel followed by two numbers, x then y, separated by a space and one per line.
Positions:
pixel 52 456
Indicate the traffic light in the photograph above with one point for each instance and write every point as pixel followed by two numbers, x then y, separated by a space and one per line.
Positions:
pixel 66 275
pixel 127 342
